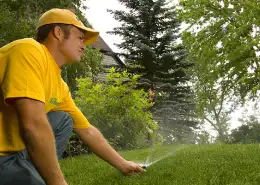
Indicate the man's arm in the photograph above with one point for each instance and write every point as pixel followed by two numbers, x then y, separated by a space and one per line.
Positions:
pixel 98 144
pixel 94 139
pixel 39 140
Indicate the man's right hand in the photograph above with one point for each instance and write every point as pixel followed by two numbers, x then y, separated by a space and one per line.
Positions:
pixel 39 140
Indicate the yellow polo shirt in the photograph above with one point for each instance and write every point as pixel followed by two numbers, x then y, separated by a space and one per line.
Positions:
pixel 27 69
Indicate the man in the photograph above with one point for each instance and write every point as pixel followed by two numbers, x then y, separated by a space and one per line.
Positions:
pixel 37 113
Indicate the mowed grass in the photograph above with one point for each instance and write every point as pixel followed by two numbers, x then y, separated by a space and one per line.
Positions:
pixel 191 165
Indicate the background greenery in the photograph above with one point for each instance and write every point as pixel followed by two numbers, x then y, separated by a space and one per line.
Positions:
pixel 178 82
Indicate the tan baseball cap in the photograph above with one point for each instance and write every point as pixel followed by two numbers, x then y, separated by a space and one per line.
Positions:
pixel 65 16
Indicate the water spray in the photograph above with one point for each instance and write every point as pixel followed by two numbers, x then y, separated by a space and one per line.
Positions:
pixel 146 164
pixel 150 160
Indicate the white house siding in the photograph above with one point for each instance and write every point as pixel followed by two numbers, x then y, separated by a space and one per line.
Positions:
pixel 107 62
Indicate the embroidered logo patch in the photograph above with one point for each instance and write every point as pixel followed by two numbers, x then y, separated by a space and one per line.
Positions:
pixel 54 101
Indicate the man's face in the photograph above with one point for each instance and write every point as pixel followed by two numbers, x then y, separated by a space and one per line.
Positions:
pixel 73 47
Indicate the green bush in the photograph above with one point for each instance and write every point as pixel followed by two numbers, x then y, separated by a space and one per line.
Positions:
pixel 75 147
pixel 118 109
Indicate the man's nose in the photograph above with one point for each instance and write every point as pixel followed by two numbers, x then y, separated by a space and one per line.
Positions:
pixel 83 47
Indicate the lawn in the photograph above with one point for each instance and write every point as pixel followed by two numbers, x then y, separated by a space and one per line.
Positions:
pixel 190 165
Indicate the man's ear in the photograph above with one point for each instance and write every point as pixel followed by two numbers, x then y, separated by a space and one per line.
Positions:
pixel 58 33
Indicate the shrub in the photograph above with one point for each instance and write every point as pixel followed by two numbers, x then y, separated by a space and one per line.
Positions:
pixel 118 109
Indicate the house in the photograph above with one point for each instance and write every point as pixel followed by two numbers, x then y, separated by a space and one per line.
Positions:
pixel 110 59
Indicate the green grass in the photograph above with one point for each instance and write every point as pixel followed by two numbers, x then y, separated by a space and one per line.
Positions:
pixel 192 165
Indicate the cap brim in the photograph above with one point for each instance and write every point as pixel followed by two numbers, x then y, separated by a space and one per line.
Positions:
pixel 90 35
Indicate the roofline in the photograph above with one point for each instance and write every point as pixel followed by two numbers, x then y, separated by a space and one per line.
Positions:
pixel 108 51
pixel 114 55
pixel 105 43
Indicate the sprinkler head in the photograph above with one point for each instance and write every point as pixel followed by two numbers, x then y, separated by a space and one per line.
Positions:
pixel 144 167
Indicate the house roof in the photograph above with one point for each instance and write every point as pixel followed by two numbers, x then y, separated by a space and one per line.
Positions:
pixel 101 44
pixel 106 50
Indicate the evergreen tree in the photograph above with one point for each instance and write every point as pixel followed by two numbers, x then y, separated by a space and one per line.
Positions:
pixel 150 30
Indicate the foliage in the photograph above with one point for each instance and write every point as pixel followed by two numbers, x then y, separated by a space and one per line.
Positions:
pixel 118 109
pixel 89 66
pixel 194 165
pixel 9 30
pixel 223 38
pixel 149 32
pixel 204 137
pixel 248 132
pixel 25 14
pixel 75 147
pixel 214 105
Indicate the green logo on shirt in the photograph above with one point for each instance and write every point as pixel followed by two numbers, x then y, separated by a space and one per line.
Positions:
pixel 54 101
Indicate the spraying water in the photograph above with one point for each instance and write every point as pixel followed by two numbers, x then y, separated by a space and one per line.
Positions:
pixel 157 154
pixel 150 161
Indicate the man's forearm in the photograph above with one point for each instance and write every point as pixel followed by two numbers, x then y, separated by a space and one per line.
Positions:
pixel 41 148
pixel 39 139
pixel 98 144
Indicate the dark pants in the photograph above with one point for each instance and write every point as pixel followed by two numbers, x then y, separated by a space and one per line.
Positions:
pixel 17 169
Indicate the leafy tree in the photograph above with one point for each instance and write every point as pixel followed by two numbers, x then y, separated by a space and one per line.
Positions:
pixel 248 132
pixel 215 103
pixel 223 38
pixel 149 31
pixel 204 137
pixel 118 109
pixel 9 30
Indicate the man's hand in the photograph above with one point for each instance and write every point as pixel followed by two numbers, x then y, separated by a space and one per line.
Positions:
pixel 131 168
pixel 95 140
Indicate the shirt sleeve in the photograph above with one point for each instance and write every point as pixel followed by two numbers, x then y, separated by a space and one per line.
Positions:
pixel 69 106
pixel 24 73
